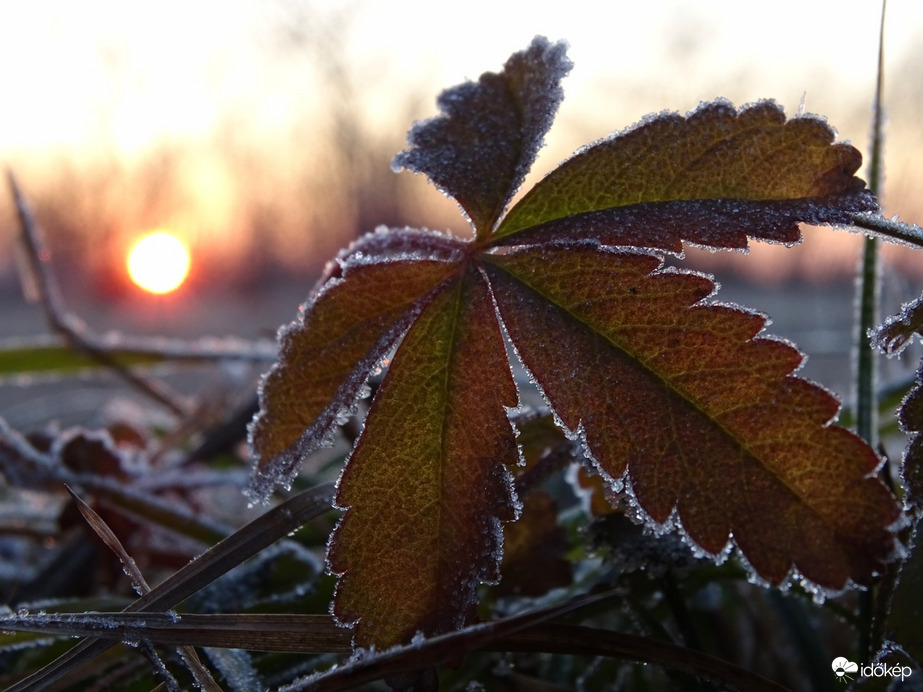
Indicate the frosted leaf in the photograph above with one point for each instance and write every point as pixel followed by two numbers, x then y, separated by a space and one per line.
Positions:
pixel 662 378
pixel 399 244
pixel 898 330
pixel 758 175
pixel 683 402
pixel 281 468
pixel 350 323
pixel 416 564
pixel 481 148
pixel 88 451
pixel 819 594
pixel 719 558
pixel 718 223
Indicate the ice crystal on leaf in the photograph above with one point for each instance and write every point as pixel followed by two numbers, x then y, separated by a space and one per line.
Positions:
pixel 699 413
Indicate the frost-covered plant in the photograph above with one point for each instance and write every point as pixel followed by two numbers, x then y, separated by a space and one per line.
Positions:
pixel 679 403
pixel 703 459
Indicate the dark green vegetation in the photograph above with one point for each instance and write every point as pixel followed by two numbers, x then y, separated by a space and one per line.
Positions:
pixel 707 469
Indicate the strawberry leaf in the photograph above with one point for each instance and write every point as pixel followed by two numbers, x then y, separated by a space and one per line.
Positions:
pixel 713 177
pixel 701 413
pixel 480 150
pixel 423 528
pixel 346 328
pixel 681 402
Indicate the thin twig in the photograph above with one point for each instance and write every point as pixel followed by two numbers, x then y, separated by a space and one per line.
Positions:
pixel 64 323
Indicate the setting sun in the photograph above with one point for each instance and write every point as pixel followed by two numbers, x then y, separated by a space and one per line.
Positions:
pixel 158 262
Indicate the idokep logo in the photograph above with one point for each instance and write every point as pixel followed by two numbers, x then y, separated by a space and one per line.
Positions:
pixel 845 670
pixel 842 668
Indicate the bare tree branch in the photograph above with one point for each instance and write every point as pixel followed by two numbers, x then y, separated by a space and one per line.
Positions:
pixel 66 324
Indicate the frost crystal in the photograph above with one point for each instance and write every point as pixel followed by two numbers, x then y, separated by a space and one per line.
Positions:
pixel 236 667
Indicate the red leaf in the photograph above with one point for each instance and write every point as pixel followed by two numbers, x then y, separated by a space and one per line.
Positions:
pixel 426 485
pixel 713 178
pixel 344 331
pixel 684 402
pixel 704 416
pixel 480 150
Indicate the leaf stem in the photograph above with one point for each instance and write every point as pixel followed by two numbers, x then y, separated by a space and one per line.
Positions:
pixel 889 229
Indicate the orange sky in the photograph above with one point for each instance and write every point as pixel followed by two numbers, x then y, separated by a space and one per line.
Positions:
pixel 212 83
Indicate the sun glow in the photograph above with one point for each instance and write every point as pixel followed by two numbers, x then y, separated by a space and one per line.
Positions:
pixel 158 262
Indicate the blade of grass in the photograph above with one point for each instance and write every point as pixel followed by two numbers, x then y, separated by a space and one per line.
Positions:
pixel 868 280
pixel 868 287
pixel 438 649
pixel 200 673
pixel 534 632
pixel 49 357
pixel 576 640
pixel 112 542
pixel 221 558
pixel 275 632
pixel 168 682
pixel 316 634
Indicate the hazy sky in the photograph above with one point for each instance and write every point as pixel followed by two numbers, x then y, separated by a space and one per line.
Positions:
pixel 119 80
pixel 127 72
